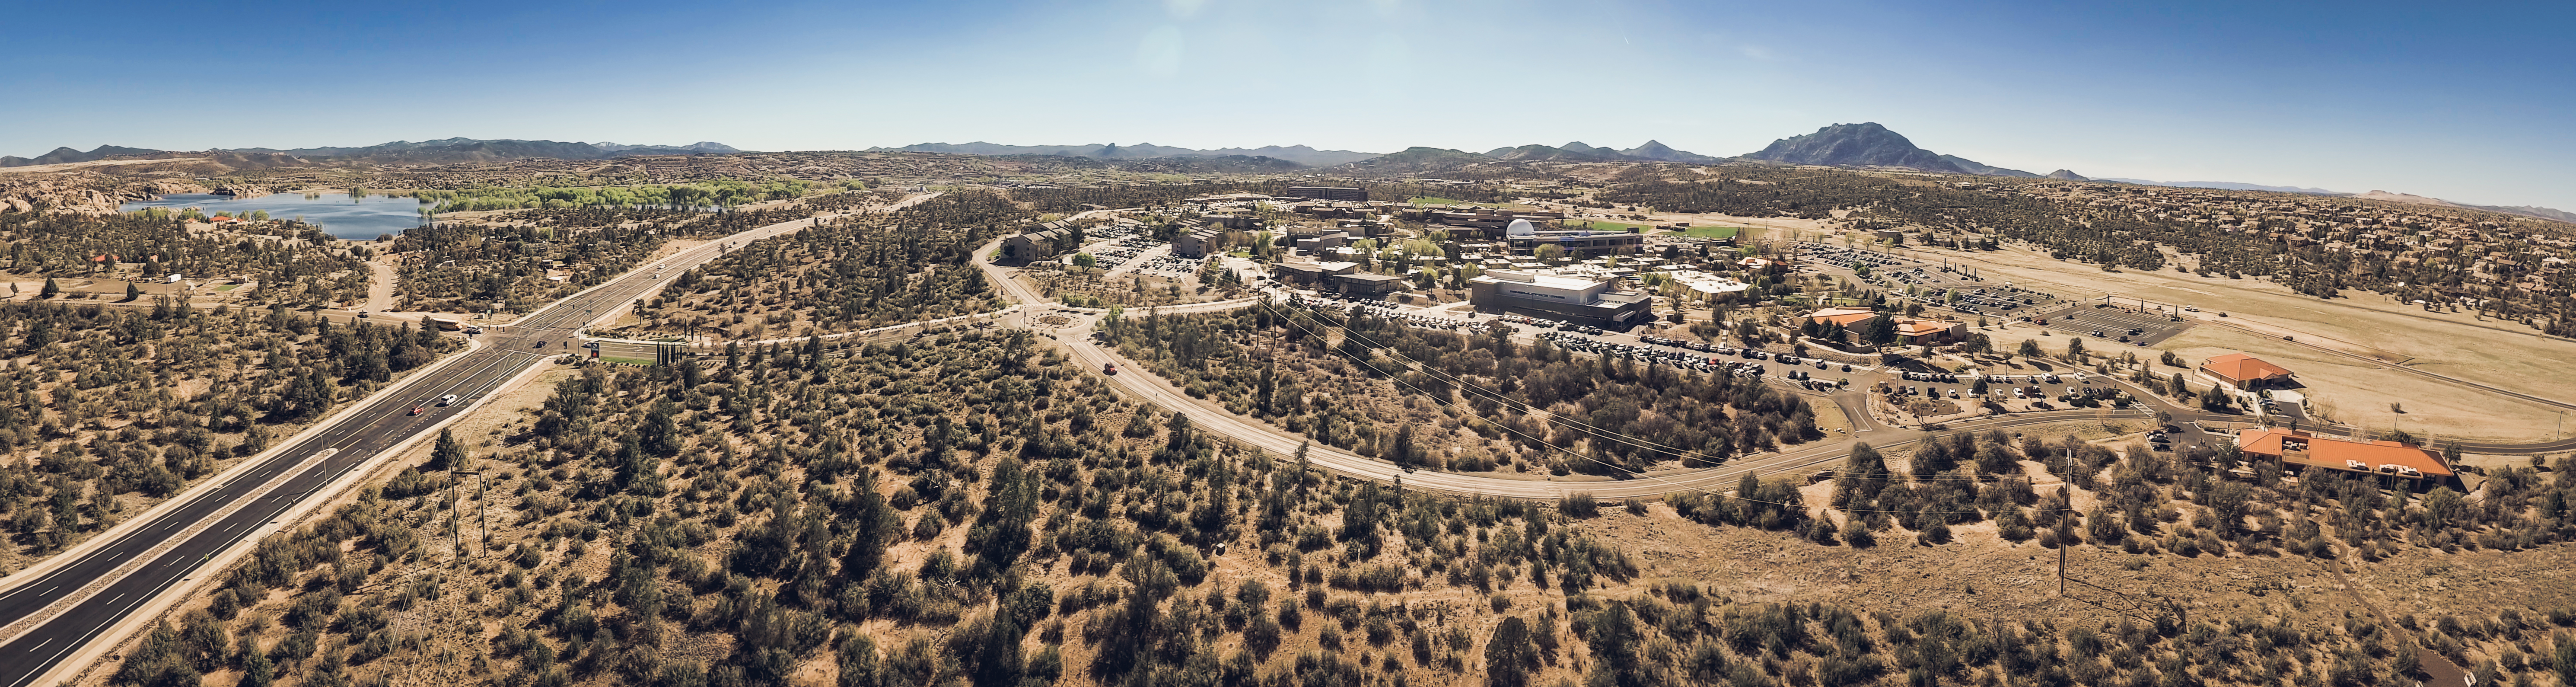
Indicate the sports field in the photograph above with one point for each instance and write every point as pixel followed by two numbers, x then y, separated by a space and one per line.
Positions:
pixel 1598 225
pixel 1708 232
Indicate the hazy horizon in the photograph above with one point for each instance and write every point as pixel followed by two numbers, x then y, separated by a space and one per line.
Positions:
pixel 2465 104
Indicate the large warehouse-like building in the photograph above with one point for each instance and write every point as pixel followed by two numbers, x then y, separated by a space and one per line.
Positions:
pixel 1558 297
pixel 1328 193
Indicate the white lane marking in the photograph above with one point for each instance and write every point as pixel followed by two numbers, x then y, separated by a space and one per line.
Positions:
pixel 40 645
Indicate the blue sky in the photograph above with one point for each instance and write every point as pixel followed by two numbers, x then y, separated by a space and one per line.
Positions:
pixel 2469 103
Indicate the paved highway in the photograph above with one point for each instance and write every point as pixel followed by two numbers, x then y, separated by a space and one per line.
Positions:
pixel 77 603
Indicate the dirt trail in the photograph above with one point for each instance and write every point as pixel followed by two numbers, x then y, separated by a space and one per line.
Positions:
pixel 380 287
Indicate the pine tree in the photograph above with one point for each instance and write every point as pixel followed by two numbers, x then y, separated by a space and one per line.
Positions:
pixel 447 454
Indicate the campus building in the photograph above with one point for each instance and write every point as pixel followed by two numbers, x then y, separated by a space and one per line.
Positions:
pixel 2244 372
pixel 1525 238
pixel 1310 274
pixel 1197 243
pixel 1852 319
pixel 1558 297
pixel 1359 195
pixel 2297 450
pixel 1052 240
pixel 1922 331
pixel 1705 284
pixel 1491 220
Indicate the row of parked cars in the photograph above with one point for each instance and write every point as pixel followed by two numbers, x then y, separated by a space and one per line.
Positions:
pixel 1171 266
pixel 1382 309
pixel 1846 258
pixel 1652 355
pixel 1953 378
pixel 1550 324
pixel 1117 253
pixel 1746 353
pixel 1981 300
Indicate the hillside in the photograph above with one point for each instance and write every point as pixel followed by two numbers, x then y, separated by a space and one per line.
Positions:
pixel 1416 159
pixel 1578 151
pixel 971 509
pixel 437 151
pixel 1302 155
pixel 1974 167
pixel 1866 144
pixel 1656 150
pixel 1571 152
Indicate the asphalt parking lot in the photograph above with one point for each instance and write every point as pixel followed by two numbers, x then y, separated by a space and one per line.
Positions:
pixel 2114 322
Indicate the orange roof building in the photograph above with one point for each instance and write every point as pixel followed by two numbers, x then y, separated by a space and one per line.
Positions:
pixel 2293 447
pixel 2243 371
pixel 1843 317
pixel 1918 330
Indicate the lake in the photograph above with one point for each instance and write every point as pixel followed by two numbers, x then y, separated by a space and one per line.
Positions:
pixel 357 220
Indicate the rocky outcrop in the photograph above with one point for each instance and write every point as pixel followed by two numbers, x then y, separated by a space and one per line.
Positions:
pixel 81 192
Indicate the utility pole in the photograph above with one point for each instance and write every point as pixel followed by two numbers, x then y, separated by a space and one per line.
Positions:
pixel 455 521
pixel 456 510
pixel 2065 494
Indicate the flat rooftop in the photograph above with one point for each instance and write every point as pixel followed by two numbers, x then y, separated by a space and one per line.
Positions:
pixel 1541 279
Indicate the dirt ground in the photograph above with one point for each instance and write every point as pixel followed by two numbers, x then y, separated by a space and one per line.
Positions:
pixel 1980 576
pixel 2503 354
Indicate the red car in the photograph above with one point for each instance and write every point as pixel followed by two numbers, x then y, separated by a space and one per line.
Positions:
pixel 1109 369
pixel 415 410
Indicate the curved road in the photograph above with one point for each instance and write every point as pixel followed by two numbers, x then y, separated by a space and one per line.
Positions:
pixel 1137 380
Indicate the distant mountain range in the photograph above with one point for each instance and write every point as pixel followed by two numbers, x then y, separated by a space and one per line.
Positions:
pixel 1111 151
pixel 2228 185
pixel 1868 144
pixel 1578 151
pixel 1416 160
pixel 441 150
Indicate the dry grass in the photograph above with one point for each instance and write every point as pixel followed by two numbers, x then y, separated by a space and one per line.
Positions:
pixel 2502 354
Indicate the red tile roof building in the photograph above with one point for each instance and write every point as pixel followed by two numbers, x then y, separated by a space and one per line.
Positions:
pixel 2293 447
pixel 1843 317
pixel 2243 371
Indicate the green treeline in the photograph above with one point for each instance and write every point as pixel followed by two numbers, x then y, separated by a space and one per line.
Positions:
pixel 1604 417
pixel 2291 247
pixel 717 193
pixel 857 272
pixel 101 402
pixel 463 266
pixel 289 272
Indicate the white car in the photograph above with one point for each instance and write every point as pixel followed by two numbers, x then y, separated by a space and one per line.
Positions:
pixel 447 400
